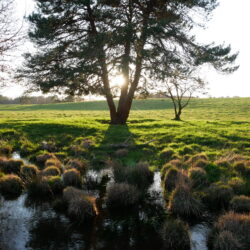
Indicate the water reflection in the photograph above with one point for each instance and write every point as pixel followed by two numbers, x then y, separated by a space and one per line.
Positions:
pixel 29 224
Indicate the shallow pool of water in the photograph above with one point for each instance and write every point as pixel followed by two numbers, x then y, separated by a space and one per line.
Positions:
pixel 27 224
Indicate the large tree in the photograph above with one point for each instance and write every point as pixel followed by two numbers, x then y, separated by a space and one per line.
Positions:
pixel 83 44
pixel 10 37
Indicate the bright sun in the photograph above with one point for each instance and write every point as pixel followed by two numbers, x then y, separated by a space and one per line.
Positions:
pixel 117 81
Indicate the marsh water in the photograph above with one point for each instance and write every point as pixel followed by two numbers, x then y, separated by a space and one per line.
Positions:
pixel 29 224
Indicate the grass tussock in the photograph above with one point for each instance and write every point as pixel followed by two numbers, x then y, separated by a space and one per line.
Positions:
pixel 175 235
pixel 72 177
pixel 219 196
pixel 240 204
pixel 51 171
pixel 183 204
pixel 122 197
pixel 80 206
pixel 10 166
pixel 139 175
pixel 11 185
pixel 198 177
pixel 29 171
pixel 79 165
pixel 231 232
pixel 54 162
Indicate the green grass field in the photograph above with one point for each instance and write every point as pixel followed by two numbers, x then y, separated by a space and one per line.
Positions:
pixel 214 126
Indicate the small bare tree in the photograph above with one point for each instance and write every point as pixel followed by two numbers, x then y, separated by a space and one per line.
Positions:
pixel 181 87
pixel 10 36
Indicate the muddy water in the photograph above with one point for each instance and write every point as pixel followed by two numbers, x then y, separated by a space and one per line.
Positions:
pixel 25 224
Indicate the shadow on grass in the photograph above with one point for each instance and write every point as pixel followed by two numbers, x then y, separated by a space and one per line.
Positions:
pixel 43 131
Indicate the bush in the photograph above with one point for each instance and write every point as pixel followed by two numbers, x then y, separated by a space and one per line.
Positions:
pixel 175 235
pixel 231 231
pixel 219 196
pixel 51 171
pixel 72 177
pixel 198 177
pixel 80 206
pixel 122 197
pixel 29 171
pixel 11 185
pixel 11 166
pixel 183 204
pixel 138 175
pixel 240 204
pixel 81 166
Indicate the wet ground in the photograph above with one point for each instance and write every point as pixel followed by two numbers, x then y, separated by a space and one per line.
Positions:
pixel 28 224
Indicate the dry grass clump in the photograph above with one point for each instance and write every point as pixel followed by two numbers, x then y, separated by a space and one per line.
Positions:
pixel 10 166
pixel 72 177
pixel 81 166
pixel 175 235
pixel 80 206
pixel 11 185
pixel 54 162
pixel 51 171
pixel 219 196
pixel 122 197
pixel 198 177
pixel 240 204
pixel 29 171
pixel 231 232
pixel 183 204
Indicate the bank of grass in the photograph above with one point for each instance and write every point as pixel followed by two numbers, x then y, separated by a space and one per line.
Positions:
pixel 213 126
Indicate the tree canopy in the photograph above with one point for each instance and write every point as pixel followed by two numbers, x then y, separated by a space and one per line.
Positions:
pixel 83 44
pixel 10 36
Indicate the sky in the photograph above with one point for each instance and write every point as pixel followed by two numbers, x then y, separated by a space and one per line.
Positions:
pixel 229 24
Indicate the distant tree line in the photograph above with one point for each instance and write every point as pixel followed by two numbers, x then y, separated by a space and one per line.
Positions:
pixel 38 99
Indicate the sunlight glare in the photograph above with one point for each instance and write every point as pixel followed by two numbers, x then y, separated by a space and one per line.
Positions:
pixel 117 81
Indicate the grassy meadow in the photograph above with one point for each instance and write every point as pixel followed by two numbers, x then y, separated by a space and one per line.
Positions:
pixel 214 126
pixel 92 172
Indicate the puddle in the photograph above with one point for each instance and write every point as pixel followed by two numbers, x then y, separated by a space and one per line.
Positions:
pixel 199 235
